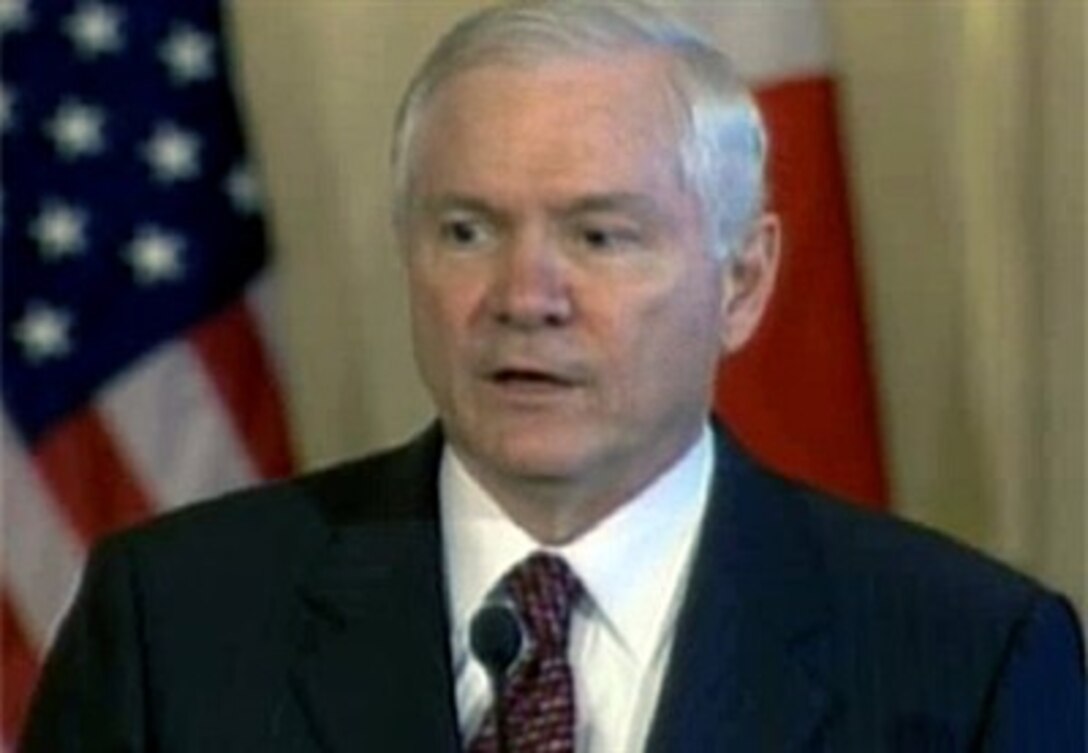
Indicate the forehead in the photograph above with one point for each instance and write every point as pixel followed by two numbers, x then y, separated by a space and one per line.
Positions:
pixel 564 124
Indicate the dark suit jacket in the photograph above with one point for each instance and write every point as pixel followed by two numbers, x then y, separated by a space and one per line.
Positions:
pixel 310 616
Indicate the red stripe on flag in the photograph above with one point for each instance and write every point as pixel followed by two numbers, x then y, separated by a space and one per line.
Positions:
pixel 232 352
pixel 21 670
pixel 88 477
pixel 801 395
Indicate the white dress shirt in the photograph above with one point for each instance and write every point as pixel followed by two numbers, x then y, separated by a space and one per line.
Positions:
pixel 633 565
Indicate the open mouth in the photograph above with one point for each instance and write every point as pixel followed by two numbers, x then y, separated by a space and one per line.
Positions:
pixel 529 378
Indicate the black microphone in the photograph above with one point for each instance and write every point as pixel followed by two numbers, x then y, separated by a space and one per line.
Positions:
pixel 496 641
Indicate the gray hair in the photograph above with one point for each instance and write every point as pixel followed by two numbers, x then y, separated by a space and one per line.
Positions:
pixel 723 142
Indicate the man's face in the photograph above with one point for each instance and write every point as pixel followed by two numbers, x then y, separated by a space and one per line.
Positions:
pixel 566 310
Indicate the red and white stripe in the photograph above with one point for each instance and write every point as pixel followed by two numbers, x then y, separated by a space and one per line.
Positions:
pixel 198 416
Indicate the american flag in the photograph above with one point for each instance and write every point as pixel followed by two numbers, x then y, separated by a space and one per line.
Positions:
pixel 136 375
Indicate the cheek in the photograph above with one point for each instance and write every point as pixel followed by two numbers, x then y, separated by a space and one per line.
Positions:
pixel 442 310
pixel 426 308
pixel 674 339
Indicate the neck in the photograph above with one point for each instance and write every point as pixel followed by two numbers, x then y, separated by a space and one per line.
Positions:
pixel 552 513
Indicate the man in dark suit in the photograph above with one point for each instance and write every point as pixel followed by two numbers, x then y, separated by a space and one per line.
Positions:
pixel 579 193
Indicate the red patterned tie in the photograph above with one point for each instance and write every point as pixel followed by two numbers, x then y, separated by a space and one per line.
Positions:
pixel 539 694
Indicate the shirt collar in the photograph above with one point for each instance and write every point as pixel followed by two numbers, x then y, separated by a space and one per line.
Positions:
pixel 631 563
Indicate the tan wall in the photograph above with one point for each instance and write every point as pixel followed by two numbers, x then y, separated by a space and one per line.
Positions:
pixel 965 121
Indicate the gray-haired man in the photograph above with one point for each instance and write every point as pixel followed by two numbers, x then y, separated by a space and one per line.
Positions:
pixel 579 201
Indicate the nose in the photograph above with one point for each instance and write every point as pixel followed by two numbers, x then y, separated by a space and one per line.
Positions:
pixel 530 289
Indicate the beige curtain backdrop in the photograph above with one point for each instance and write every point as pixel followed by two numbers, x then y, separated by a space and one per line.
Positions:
pixel 965 122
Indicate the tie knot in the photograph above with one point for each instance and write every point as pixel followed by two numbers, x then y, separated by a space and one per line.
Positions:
pixel 544 590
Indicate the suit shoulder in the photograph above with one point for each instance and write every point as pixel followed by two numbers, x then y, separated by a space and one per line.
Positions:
pixel 271 520
pixel 863 550
pixel 898 562
pixel 943 624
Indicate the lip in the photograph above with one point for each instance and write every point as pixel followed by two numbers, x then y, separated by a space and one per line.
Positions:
pixel 530 382
pixel 529 375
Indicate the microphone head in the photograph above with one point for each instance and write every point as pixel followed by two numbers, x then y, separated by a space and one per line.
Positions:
pixel 495 638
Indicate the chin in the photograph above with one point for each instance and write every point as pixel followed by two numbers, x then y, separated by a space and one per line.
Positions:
pixel 538 457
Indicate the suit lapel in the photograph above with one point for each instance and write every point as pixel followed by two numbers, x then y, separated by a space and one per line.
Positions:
pixel 373 668
pixel 746 666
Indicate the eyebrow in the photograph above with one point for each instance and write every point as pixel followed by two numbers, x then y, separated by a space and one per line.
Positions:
pixel 615 201
pixel 623 201
pixel 445 202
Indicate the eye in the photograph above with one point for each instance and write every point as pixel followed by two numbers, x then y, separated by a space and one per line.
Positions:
pixel 608 238
pixel 464 232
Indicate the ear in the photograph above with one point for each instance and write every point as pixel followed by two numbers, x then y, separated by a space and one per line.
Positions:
pixel 748 279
